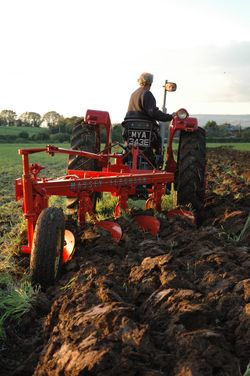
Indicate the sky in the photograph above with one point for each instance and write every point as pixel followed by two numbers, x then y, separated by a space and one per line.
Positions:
pixel 72 55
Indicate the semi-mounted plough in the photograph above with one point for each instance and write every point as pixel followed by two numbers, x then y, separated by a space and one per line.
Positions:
pixel 136 173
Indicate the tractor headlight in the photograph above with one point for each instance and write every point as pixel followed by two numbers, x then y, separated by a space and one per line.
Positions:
pixel 182 114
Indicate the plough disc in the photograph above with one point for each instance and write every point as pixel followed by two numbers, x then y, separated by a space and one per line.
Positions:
pixel 181 212
pixel 148 224
pixel 112 227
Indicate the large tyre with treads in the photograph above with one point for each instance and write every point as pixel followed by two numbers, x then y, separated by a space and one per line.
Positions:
pixel 83 138
pixel 191 171
pixel 47 247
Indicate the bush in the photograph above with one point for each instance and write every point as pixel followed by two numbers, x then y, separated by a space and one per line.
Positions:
pixel 60 137
pixel 117 133
pixel 8 138
pixel 43 136
pixel 23 134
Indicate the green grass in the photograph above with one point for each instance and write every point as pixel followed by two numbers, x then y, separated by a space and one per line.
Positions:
pixel 9 154
pixel 241 146
pixel 14 131
pixel 8 131
pixel 11 167
pixel 244 146
pixel 15 299
pixel 246 226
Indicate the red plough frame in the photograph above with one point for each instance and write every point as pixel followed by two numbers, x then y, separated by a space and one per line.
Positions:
pixel 117 178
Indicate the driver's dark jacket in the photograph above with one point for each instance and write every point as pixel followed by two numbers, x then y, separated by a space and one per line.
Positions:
pixel 142 105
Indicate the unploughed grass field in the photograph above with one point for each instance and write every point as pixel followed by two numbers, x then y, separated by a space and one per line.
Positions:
pixel 11 166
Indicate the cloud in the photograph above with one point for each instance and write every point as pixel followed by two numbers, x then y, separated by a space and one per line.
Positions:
pixel 222 72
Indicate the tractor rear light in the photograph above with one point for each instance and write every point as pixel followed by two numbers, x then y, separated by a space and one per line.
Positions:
pixel 182 114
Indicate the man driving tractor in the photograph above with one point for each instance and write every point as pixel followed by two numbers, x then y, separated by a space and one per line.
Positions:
pixel 142 107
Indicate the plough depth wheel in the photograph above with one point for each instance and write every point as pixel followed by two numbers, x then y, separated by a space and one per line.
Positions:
pixel 47 247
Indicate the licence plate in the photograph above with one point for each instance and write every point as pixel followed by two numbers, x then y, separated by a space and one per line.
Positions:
pixel 139 138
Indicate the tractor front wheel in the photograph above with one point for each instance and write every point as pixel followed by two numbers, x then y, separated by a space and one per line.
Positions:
pixel 190 173
pixel 47 247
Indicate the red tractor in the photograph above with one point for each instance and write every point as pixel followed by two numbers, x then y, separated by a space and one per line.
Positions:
pixel 136 173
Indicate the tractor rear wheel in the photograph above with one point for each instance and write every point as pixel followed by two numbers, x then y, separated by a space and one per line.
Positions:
pixel 191 170
pixel 84 138
pixel 47 247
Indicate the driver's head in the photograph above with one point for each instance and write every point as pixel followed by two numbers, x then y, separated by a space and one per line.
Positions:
pixel 145 79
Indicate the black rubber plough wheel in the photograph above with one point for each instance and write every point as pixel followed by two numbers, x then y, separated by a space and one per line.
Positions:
pixel 191 170
pixel 47 247
pixel 83 138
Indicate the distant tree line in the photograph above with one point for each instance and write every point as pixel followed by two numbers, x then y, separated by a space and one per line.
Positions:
pixel 58 128
pixel 55 127
pixel 52 120
pixel 226 132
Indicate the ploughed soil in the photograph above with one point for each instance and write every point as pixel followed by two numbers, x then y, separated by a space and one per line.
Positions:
pixel 175 305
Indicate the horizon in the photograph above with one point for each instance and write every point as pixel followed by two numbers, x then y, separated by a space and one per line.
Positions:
pixel 233 119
